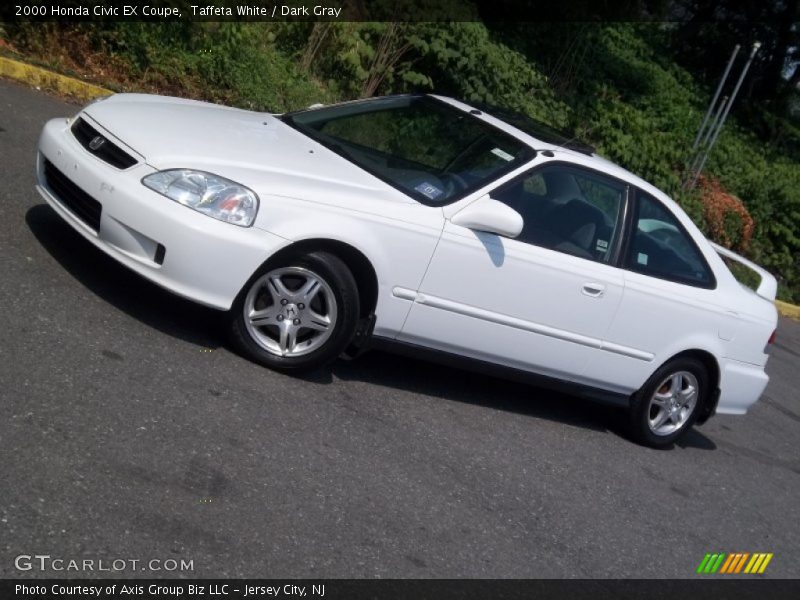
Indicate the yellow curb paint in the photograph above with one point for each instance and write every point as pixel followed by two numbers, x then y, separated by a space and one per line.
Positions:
pixel 788 310
pixel 38 77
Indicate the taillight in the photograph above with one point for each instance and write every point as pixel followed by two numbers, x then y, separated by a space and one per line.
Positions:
pixel 770 341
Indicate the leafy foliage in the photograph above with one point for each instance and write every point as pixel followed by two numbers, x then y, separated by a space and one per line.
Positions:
pixel 727 218
pixel 462 60
pixel 630 89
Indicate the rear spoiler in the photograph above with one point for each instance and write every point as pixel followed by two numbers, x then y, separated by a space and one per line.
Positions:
pixel 768 287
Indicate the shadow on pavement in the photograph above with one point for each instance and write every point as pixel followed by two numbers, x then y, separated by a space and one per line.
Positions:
pixel 120 286
pixel 451 383
pixel 695 439
pixel 199 325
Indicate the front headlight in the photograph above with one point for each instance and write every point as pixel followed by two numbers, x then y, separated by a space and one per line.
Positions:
pixel 209 194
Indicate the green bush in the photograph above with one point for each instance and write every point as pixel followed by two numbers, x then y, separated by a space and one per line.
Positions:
pixel 617 85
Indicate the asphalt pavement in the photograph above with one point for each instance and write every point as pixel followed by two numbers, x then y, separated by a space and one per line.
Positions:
pixel 130 430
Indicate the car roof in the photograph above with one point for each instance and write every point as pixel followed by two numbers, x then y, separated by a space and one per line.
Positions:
pixel 575 152
pixel 591 160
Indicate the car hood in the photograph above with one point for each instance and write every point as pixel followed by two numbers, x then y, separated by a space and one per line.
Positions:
pixel 255 149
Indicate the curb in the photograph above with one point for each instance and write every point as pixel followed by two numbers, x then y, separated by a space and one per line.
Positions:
pixel 788 310
pixel 38 77
pixel 81 90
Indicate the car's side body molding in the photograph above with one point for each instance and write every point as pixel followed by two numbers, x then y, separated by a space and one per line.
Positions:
pixel 501 319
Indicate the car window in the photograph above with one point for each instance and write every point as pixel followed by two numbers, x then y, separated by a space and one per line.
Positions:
pixel 428 149
pixel 661 247
pixel 568 209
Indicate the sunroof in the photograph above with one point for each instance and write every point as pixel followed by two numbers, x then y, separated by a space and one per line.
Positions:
pixel 537 129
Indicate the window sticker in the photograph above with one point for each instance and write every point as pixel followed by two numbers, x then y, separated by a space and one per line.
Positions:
pixel 429 190
pixel 502 154
pixel 602 245
pixel 642 258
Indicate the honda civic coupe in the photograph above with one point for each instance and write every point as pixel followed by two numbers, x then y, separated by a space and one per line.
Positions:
pixel 421 224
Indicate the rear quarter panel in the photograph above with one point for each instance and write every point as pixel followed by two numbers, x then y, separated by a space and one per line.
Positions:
pixel 662 318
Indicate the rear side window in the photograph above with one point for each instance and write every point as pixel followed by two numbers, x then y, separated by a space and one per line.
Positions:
pixel 660 247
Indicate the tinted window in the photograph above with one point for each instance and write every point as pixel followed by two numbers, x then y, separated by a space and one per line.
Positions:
pixel 661 247
pixel 426 148
pixel 567 209
pixel 538 129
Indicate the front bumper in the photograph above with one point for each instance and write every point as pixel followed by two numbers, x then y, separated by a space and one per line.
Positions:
pixel 188 253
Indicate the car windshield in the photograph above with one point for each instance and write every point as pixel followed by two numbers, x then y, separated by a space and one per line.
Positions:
pixel 426 148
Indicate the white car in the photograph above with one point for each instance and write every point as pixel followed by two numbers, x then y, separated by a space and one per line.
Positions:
pixel 423 224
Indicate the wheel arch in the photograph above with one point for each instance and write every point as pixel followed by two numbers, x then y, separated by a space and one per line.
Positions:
pixel 709 361
pixel 360 266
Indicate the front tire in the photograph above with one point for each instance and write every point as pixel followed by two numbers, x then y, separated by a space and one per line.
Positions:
pixel 297 313
pixel 668 404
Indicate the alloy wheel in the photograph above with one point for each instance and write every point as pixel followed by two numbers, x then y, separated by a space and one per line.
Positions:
pixel 673 403
pixel 290 311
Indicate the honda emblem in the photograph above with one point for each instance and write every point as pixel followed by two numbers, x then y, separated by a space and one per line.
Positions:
pixel 96 142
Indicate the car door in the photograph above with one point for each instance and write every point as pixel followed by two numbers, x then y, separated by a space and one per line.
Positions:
pixel 669 304
pixel 541 302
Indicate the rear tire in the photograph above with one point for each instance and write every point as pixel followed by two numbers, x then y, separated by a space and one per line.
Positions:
pixel 669 402
pixel 297 313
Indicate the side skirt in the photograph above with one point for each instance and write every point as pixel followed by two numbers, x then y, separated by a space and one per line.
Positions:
pixel 471 364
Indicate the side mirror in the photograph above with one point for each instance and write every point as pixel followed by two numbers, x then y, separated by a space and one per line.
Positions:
pixel 490 215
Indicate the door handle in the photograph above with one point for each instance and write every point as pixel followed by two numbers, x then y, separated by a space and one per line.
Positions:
pixel 594 290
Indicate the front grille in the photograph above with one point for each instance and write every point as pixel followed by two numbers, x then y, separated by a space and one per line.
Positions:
pixel 79 203
pixel 104 148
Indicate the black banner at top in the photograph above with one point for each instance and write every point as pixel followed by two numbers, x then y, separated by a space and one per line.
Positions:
pixel 362 10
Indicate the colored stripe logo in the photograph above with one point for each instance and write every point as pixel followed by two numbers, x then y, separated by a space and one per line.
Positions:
pixel 735 563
